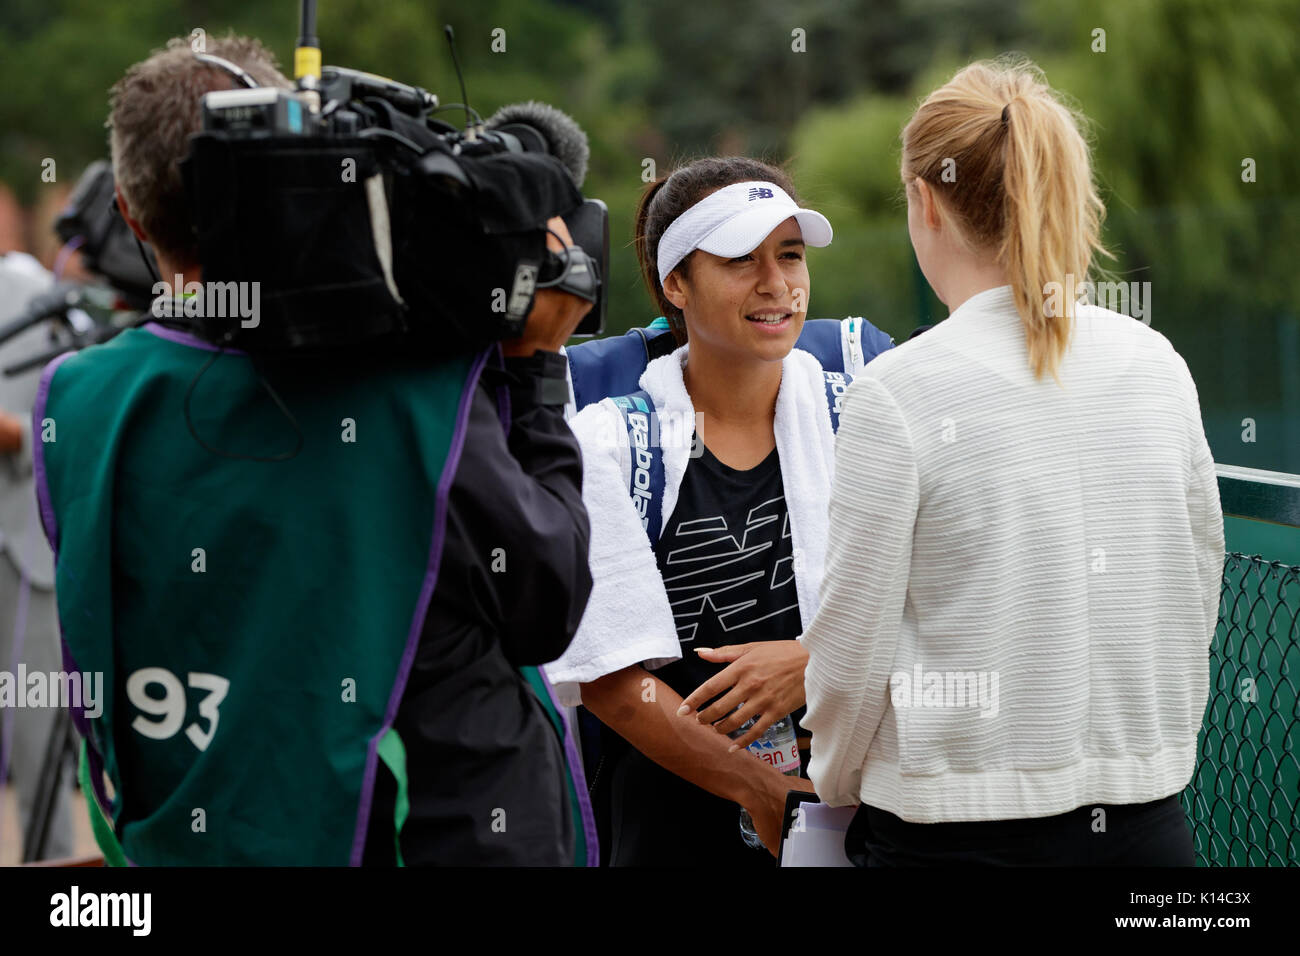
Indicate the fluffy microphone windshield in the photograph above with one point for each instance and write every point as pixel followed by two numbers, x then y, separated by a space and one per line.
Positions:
pixel 559 134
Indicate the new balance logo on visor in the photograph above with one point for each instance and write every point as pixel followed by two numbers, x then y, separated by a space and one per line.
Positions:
pixel 726 223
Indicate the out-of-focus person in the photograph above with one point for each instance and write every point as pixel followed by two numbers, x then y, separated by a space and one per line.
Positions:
pixel 29 636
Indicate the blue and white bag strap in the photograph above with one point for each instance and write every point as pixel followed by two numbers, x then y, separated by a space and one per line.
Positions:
pixel 836 383
pixel 851 335
pixel 860 342
pixel 646 481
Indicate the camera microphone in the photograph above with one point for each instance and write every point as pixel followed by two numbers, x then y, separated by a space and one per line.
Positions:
pixel 541 128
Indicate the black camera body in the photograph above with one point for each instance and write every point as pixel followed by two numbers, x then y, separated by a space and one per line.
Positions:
pixel 90 218
pixel 365 221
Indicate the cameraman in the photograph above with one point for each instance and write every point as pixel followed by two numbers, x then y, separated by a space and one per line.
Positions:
pixel 340 626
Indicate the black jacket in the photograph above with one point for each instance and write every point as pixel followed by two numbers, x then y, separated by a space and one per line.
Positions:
pixel 486 770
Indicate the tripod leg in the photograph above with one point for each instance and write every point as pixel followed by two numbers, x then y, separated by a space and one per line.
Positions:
pixel 49 787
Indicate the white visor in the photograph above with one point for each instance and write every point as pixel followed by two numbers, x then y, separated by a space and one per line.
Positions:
pixel 734 221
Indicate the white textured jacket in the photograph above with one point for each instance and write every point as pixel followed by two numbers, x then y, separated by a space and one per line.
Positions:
pixel 1022 577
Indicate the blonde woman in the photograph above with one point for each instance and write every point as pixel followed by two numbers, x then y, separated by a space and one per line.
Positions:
pixel 1011 666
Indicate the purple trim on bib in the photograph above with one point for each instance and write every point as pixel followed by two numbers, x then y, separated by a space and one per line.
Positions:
pixel 48 520
pixel 578 776
pixel 421 607
pixel 82 725
pixel 185 338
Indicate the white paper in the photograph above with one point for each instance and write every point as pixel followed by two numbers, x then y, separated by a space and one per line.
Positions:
pixel 818 838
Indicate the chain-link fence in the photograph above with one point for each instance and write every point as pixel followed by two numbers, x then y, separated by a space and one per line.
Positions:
pixel 1244 799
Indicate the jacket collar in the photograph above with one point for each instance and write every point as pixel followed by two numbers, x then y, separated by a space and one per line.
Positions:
pixel 996 302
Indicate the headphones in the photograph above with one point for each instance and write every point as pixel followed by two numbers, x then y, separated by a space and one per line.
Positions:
pixel 239 74
pixel 223 64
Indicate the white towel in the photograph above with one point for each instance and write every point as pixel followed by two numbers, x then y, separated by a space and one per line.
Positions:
pixel 628 619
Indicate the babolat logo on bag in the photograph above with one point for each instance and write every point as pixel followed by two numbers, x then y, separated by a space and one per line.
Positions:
pixel 641 423
pixel 836 383
pixel 760 193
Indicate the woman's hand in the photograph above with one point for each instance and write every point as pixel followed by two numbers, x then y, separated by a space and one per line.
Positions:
pixel 764 678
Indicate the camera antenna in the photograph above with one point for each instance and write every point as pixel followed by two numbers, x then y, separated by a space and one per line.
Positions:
pixel 306 54
pixel 470 131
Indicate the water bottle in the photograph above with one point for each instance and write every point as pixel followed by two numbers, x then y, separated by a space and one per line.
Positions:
pixel 777 746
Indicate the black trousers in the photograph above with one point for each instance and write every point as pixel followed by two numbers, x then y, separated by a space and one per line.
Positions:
pixel 1142 834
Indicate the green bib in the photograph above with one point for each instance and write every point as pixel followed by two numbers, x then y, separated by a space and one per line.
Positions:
pixel 253 626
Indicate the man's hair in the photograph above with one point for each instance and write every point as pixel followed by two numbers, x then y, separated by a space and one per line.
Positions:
pixel 153 109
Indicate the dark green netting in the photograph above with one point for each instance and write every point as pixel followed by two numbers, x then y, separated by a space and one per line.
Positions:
pixel 1242 800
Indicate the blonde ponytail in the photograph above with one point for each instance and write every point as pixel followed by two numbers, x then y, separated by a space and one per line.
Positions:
pixel 1023 191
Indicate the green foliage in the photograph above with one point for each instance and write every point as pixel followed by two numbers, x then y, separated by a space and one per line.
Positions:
pixel 1184 92
pixel 853 153
pixel 845 163
pixel 1217 85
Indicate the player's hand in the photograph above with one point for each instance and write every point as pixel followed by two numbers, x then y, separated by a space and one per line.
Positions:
pixel 769 810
